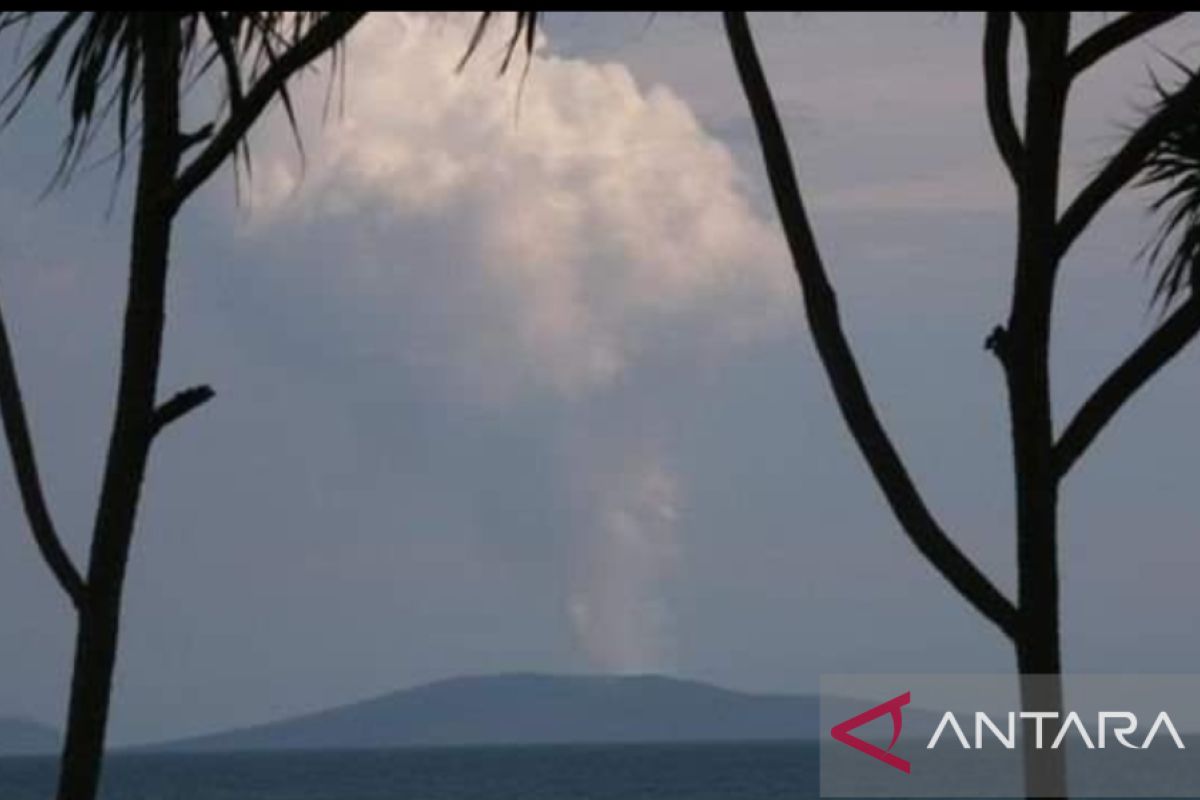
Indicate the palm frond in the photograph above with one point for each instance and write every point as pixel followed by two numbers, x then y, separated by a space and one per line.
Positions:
pixel 101 58
pixel 1173 168
pixel 524 35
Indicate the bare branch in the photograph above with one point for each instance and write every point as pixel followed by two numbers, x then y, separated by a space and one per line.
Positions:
pixel 1113 36
pixel 836 356
pixel 181 404
pixel 1142 364
pixel 29 482
pixel 1124 166
pixel 996 37
pixel 323 35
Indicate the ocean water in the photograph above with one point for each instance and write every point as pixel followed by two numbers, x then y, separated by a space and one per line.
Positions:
pixel 734 771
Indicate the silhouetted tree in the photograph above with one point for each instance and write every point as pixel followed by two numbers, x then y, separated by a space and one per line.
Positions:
pixel 1162 152
pixel 115 63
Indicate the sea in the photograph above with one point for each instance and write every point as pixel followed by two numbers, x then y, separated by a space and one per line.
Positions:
pixel 708 771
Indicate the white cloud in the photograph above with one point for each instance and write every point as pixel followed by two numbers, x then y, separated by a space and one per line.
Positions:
pixel 538 239
pixel 544 235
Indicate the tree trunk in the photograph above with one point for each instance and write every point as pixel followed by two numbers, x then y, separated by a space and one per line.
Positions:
pixel 1026 357
pixel 1041 690
pixel 134 419
pixel 1038 649
pixel 91 686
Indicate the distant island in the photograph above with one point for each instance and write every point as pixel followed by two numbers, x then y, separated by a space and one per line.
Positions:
pixel 532 709
pixel 501 710
pixel 24 737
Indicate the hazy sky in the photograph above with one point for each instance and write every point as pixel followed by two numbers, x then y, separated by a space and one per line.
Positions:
pixel 521 382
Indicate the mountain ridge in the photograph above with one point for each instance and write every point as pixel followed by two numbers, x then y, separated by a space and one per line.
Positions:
pixel 529 708
pixel 20 736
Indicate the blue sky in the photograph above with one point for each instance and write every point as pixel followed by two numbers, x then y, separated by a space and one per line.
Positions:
pixel 524 385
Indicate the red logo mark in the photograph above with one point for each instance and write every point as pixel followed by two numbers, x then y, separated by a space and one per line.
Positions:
pixel 841 731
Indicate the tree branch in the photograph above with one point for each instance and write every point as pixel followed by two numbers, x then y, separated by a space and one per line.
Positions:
pixel 1151 355
pixel 836 356
pixel 181 404
pixel 1124 166
pixel 997 33
pixel 20 445
pixel 323 35
pixel 1113 36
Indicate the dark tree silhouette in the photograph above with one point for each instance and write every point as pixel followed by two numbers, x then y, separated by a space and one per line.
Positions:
pixel 116 62
pixel 1163 152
